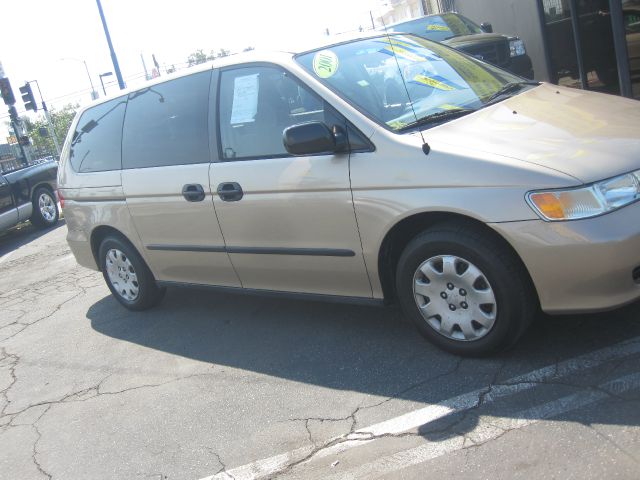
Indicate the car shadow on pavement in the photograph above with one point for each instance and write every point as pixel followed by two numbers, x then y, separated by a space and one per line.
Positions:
pixel 22 234
pixel 363 349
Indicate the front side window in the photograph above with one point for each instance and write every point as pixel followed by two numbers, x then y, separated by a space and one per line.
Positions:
pixel 257 104
pixel 166 124
pixel 95 146
pixel 397 80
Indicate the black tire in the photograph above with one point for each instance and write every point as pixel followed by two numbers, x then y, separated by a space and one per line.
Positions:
pixel 148 294
pixel 515 300
pixel 47 215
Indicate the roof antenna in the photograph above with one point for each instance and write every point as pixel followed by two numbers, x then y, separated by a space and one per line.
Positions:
pixel 425 146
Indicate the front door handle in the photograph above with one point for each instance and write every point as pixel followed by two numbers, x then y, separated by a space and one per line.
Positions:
pixel 193 192
pixel 230 191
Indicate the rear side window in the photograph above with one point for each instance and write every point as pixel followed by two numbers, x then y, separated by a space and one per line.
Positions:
pixel 166 124
pixel 95 146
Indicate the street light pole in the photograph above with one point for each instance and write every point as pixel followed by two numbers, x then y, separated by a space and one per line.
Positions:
pixel 89 75
pixel 114 58
pixel 107 74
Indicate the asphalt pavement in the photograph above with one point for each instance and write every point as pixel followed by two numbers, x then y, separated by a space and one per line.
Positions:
pixel 221 386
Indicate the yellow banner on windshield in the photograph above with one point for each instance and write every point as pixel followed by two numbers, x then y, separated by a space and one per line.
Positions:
pixel 439 28
pixel 481 81
pixel 432 82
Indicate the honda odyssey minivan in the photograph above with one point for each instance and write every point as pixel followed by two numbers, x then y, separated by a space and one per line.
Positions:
pixel 382 169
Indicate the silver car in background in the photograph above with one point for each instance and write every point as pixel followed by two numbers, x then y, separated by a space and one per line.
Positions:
pixel 385 168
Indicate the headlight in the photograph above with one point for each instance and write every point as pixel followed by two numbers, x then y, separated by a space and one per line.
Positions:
pixel 589 201
pixel 517 48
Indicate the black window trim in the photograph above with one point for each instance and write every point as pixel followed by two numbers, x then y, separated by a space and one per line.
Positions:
pixel 221 158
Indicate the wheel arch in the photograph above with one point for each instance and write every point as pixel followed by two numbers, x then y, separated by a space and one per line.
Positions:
pixel 99 233
pixel 46 186
pixel 400 234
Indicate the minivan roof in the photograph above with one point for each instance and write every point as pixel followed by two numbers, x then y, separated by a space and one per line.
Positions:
pixel 240 58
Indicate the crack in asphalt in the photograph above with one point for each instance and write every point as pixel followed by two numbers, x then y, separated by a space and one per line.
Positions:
pixel 60 288
pixel 615 445
pixel 468 443
pixel 352 435
pixel 34 452
pixel 223 467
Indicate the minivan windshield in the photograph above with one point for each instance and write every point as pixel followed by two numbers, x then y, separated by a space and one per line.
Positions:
pixel 400 80
pixel 439 27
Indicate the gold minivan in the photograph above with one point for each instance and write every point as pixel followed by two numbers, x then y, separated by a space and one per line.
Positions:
pixel 385 168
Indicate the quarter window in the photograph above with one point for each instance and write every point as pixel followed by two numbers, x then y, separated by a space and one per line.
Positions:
pixel 95 146
pixel 166 124
pixel 257 104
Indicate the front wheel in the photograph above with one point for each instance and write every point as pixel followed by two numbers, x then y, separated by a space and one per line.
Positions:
pixel 465 291
pixel 127 275
pixel 45 208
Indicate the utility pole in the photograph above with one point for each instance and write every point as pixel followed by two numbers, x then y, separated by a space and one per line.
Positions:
pixel 114 58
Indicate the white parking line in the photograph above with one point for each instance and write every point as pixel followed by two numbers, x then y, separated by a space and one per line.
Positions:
pixel 430 413
pixel 487 429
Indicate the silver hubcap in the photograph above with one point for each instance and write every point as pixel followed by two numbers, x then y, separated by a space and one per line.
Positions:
pixel 47 207
pixel 122 275
pixel 454 298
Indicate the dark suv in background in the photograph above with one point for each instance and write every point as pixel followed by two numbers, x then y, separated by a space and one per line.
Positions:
pixel 478 40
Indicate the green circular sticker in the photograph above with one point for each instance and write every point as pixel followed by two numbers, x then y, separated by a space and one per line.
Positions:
pixel 325 63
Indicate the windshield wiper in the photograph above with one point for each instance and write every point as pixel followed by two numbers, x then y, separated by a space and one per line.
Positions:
pixel 437 118
pixel 510 87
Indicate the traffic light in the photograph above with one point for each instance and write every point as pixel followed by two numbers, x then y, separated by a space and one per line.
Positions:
pixel 24 140
pixel 13 114
pixel 6 92
pixel 27 97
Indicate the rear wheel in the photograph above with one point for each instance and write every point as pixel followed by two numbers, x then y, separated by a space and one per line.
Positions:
pixel 127 275
pixel 45 208
pixel 466 292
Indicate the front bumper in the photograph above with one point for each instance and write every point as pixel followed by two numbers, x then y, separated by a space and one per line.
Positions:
pixel 582 265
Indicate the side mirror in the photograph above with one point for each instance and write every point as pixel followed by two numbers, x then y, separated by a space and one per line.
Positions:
pixel 313 138
pixel 486 27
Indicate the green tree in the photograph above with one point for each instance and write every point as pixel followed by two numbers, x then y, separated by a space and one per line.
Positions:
pixel 199 57
pixel 38 131
pixel 222 53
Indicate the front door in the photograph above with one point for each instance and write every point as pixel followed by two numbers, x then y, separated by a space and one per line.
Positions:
pixel 165 178
pixel 288 222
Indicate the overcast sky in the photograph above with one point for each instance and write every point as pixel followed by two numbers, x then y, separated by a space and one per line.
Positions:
pixel 36 35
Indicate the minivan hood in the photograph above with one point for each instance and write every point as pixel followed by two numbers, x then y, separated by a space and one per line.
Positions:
pixel 587 135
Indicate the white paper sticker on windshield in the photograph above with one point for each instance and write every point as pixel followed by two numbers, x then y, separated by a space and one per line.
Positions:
pixel 325 63
pixel 245 99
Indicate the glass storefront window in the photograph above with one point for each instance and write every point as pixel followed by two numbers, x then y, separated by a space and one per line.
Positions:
pixel 598 49
pixel 594 64
pixel 560 38
pixel 631 20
